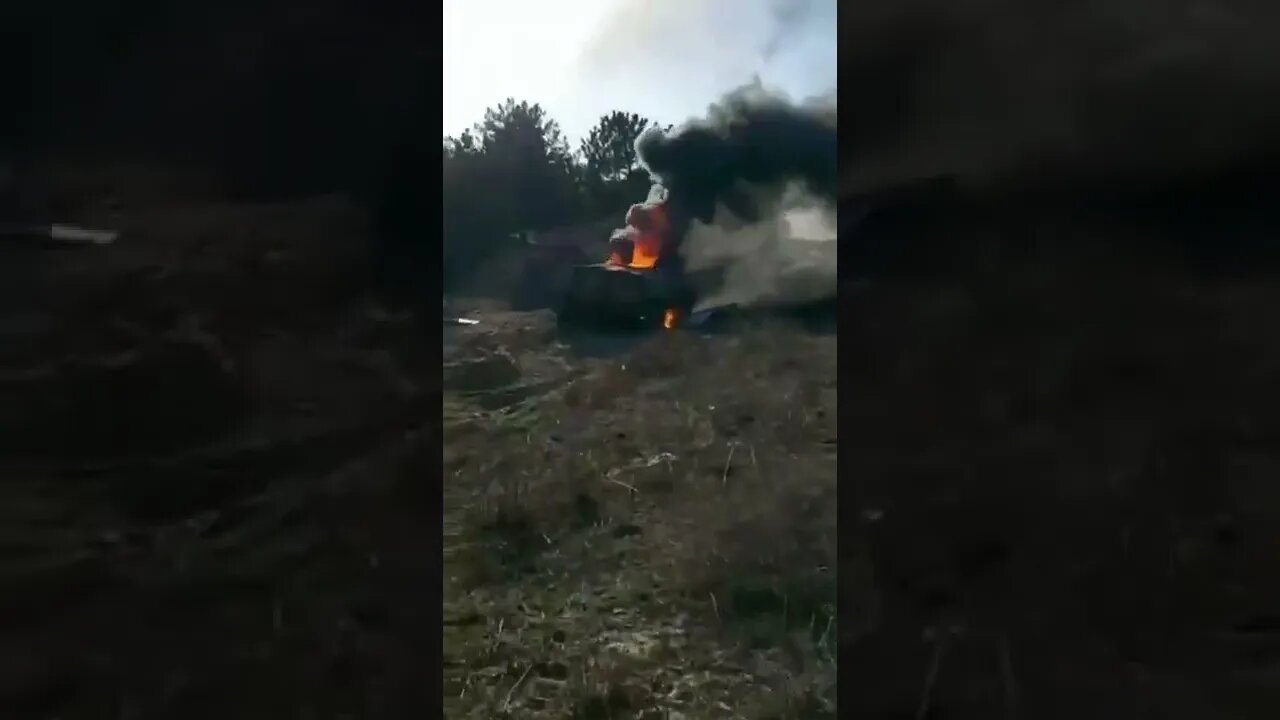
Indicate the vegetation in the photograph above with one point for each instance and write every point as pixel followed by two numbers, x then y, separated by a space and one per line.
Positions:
pixel 639 539
pixel 625 536
pixel 515 171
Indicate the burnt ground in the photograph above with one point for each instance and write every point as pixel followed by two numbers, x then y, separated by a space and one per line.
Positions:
pixel 213 498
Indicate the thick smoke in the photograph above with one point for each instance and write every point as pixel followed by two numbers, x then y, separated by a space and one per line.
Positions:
pixel 787 257
pixel 751 193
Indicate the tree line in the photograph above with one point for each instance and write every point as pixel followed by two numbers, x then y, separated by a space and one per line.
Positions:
pixel 515 171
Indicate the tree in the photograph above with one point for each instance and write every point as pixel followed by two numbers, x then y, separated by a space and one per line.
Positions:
pixel 474 217
pixel 465 144
pixel 609 150
pixel 612 177
pixel 512 172
pixel 524 128
pixel 533 174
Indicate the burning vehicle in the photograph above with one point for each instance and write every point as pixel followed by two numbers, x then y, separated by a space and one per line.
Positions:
pixel 742 157
pixel 641 284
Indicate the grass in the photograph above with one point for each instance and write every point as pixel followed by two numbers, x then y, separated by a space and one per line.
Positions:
pixel 650 535
pixel 1063 468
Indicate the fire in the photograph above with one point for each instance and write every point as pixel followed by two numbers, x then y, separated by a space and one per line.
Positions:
pixel 645 232
pixel 645 250
pixel 645 253
pixel 669 318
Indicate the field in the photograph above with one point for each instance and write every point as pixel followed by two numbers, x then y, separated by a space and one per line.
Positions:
pixel 219 493
pixel 645 530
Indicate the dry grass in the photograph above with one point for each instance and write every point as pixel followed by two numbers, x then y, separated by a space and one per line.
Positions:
pixel 651 535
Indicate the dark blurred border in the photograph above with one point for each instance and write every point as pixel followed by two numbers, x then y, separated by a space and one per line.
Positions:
pixel 273 101
pixel 279 98
pixel 1111 146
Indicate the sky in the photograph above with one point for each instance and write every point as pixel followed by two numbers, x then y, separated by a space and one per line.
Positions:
pixel 664 59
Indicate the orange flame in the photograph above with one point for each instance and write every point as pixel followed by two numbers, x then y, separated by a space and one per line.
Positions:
pixel 669 318
pixel 645 254
pixel 645 249
pixel 646 229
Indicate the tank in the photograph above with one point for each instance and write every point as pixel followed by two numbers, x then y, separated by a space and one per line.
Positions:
pixel 641 286
pixel 616 297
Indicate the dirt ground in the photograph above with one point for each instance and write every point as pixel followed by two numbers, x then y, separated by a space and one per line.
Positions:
pixel 640 527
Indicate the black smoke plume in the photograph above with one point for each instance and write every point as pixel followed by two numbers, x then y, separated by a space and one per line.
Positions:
pixel 750 192
pixel 749 148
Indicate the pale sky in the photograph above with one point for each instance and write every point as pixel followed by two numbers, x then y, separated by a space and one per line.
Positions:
pixel 665 59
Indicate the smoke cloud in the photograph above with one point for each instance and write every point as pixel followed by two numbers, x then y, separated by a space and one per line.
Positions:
pixel 751 192
pixel 751 141
pixel 787 257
